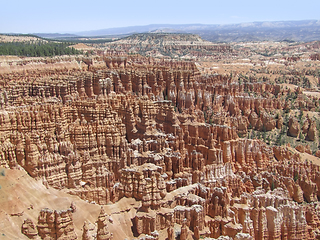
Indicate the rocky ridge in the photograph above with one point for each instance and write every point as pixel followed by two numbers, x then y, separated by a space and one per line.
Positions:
pixel 187 46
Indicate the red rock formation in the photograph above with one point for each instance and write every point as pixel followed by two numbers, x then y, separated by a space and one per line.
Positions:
pixel 29 229
pixel 89 231
pixel 57 224
pixel 144 223
pixel 312 132
pixel 294 127
pixel 143 183
pixel 161 133
pixel 184 231
pixel 102 231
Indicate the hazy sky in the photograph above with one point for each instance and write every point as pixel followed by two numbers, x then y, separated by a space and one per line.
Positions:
pixel 31 16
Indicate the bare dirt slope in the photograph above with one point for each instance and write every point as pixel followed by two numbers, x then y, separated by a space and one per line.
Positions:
pixel 23 197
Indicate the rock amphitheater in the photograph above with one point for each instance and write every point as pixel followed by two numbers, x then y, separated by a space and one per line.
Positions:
pixel 107 147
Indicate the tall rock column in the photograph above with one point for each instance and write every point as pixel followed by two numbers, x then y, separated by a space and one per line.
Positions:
pixel 103 231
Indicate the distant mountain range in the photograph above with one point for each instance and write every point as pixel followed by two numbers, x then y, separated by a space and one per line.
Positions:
pixel 303 31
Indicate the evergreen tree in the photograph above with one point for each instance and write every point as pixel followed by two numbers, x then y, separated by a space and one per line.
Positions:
pixel 37 49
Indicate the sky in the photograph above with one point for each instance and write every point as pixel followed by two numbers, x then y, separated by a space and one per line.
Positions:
pixel 69 16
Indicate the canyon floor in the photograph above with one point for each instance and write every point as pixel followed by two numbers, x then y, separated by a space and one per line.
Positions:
pixel 161 136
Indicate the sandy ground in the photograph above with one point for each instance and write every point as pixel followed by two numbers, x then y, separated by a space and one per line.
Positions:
pixel 306 156
pixel 312 94
pixel 9 58
pixel 315 160
pixel 82 46
pixel 289 86
pixel 5 38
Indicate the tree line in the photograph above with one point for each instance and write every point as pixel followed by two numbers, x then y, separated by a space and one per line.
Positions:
pixel 37 49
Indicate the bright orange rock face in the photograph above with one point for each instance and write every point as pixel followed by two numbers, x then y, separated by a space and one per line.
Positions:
pixel 134 127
